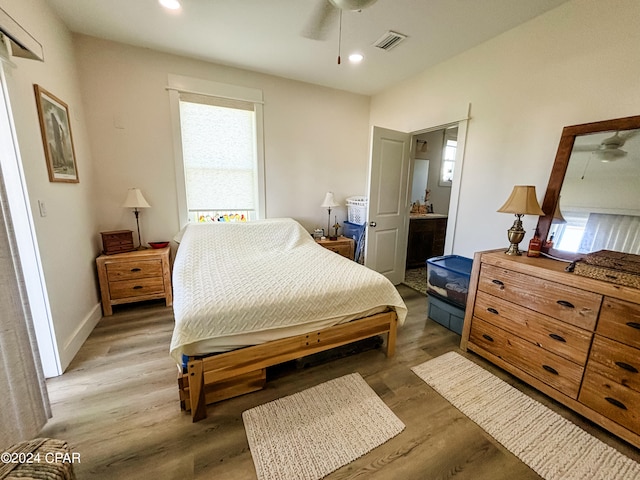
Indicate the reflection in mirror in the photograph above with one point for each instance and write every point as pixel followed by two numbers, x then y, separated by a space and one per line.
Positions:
pixel 594 190
pixel 600 195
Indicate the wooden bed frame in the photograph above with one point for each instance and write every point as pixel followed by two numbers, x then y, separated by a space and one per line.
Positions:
pixel 234 373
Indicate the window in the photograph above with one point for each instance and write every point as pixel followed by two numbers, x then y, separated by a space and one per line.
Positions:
pixel 568 236
pixel 449 151
pixel 218 155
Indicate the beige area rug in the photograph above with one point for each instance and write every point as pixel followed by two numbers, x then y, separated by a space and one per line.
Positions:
pixel 416 278
pixel 549 444
pixel 312 433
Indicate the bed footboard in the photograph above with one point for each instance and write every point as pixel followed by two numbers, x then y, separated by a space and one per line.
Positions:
pixel 234 373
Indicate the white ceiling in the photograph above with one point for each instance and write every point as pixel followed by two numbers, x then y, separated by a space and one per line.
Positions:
pixel 265 35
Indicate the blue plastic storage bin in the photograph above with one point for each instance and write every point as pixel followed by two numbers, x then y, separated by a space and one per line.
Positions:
pixel 448 278
pixel 355 231
pixel 446 314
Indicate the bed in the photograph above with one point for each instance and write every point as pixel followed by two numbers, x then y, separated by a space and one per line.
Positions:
pixel 251 295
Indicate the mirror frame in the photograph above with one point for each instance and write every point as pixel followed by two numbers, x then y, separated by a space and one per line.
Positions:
pixel 559 170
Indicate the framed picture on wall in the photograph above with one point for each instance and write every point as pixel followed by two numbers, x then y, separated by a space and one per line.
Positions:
pixel 57 140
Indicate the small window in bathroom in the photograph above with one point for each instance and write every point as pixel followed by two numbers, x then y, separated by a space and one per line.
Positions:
pixel 450 145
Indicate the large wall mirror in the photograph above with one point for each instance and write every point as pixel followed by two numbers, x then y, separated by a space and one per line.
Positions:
pixel 592 200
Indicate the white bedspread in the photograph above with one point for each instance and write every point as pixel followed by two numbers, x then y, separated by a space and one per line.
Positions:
pixel 238 284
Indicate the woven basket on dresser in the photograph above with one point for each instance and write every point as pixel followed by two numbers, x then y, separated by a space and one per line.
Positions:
pixel 614 267
pixel 41 453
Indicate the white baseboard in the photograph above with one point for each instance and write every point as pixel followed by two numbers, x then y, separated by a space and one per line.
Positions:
pixel 79 336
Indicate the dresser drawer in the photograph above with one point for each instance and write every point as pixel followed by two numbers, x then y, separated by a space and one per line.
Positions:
pixel 614 401
pixel 555 371
pixel 620 321
pixel 136 288
pixel 133 270
pixel 553 335
pixel 620 363
pixel 571 305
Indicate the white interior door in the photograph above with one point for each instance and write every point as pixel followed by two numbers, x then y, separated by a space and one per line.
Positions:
pixel 386 239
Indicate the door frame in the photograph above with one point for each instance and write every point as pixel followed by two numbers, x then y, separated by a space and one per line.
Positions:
pixel 27 244
pixel 452 215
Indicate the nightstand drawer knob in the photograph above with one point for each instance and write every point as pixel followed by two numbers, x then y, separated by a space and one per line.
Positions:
pixel 487 337
pixel 138 287
pixel 550 369
pixel 635 325
pixel 493 310
pixel 136 269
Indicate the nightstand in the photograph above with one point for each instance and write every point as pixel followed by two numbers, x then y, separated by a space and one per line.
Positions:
pixel 134 277
pixel 343 246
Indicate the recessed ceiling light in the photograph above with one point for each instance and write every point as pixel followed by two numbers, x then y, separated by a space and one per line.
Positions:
pixel 170 4
pixel 356 57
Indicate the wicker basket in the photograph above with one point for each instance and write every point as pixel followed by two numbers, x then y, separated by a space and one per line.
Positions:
pixel 620 277
pixel 357 210
pixel 626 262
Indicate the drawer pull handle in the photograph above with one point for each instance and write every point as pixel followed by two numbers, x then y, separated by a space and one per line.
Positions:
pixel 138 287
pixel 616 403
pixel 487 337
pixel 550 369
pixel 136 269
pixel 627 367
pixel 498 282
pixel 557 337
pixel 564 303
pixel 635 325
pixel 493 310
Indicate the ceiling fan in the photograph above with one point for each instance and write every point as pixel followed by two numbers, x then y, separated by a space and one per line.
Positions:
pixel 326 13
pixel 609 149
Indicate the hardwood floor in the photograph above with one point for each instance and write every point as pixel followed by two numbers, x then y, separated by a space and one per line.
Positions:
pixel 117 406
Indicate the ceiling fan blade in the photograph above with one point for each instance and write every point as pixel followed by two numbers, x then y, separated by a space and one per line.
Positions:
pixel 323 17
pixel 353 5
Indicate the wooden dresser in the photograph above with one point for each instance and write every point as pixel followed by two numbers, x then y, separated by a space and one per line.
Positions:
pixel 575 339
pixel 134 277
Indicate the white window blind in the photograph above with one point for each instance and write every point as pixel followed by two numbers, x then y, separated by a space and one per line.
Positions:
pixel 219 153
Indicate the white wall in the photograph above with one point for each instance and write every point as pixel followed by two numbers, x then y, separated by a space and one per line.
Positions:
pixel 575 64
pixel 316 139
pixel 65 234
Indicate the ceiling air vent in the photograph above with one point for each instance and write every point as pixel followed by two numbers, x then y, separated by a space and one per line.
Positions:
pixel 389 40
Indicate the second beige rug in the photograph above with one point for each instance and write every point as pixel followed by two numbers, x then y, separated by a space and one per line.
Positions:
pixel 549 444
pixel 310 434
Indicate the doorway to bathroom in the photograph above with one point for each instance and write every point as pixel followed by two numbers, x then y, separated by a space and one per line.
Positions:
pixel 433 167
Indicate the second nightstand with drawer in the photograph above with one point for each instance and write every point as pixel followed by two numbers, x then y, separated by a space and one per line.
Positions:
pixel 342 246
pixel 134 277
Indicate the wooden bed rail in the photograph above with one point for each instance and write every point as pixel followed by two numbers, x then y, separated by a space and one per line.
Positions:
pixel 248 364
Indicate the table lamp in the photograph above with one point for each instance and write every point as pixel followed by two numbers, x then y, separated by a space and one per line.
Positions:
pixel 328 203
pixel 136 200
pixel 522 201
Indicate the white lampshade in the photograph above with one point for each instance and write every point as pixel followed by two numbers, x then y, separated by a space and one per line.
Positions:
pixel 329 201
pixel 135 199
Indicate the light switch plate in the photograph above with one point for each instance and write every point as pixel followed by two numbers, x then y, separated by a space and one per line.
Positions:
pixel 43 208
